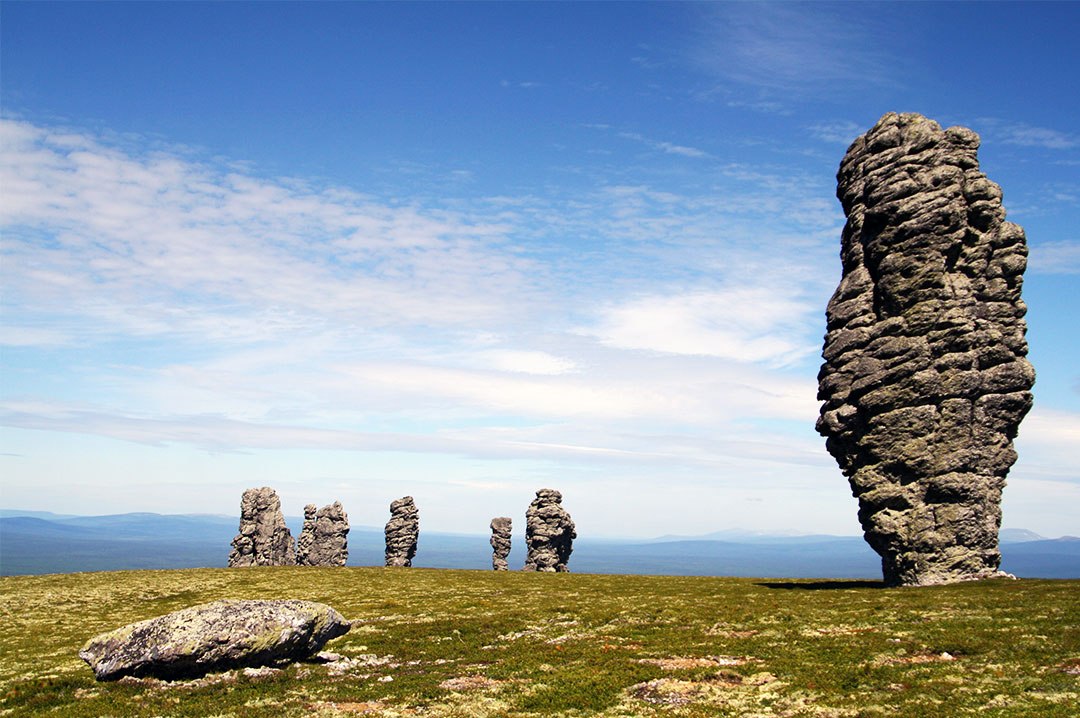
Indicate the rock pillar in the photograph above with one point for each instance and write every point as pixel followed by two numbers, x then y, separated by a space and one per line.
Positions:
pixel 925 379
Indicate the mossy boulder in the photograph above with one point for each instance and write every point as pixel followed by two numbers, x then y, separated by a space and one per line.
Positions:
pixel 214 636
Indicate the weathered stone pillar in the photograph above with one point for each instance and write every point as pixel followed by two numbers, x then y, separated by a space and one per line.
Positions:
pixel 324 540
pixel 549 533
pixel 264 539
pixel 925 379
pixel 501 532
pixel 402 532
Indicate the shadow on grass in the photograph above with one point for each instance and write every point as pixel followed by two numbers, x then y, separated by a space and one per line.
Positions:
pixel 822 585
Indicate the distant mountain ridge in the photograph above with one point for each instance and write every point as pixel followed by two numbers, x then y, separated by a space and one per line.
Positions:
pixel 36 542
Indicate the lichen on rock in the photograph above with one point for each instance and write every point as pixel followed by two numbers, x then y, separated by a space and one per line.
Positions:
pixel 925 378
pixel 215 636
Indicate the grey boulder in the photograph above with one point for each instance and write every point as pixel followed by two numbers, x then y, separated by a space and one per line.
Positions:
pixel 217 636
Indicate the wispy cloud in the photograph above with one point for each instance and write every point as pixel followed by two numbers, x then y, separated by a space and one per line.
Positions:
pixel 790 47
pixel 668 147
pixel 1025 135
pixel 840 132
pixel 769 327
pixel 1062 257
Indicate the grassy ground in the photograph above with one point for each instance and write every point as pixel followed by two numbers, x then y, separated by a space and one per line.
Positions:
pixel 466 643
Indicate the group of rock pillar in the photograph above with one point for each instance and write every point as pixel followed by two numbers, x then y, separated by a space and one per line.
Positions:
pixel 265 540
pixel 549 535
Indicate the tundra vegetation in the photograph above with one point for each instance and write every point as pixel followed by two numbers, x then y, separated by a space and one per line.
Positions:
pixel 483 643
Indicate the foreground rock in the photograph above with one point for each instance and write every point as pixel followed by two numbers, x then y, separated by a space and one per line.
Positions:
pixel 501 533
pixel 925 379
pixel 264 539
pixel 549 533
pixel 324 538
pixel 215 636
pixel 402 532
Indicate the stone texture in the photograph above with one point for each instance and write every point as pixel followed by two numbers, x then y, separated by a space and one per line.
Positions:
pixel 264 539
pixel 215 636
pixel 925 379
pixel 501 532
pixel 324 538
pixel 549 533
pixel 402 532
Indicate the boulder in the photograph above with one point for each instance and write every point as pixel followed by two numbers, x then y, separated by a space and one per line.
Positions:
pixel 549 533
pixel 501 532
pixel 925 378
pixel 264 539
pixel 402 532
pixel 217 636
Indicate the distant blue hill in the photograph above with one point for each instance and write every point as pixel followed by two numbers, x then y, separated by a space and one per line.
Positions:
pixel 39 542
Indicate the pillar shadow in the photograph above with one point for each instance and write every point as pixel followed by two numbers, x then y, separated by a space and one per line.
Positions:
pixel 821 585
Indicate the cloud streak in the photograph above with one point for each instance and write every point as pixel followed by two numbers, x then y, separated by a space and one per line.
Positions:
pixel 789 47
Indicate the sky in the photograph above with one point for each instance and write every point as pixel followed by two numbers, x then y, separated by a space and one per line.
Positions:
pixel 356 251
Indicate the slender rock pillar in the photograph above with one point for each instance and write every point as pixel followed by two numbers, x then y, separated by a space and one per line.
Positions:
pixel 501 532
pixel 402 532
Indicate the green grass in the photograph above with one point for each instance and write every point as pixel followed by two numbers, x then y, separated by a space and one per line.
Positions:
pixel 475 644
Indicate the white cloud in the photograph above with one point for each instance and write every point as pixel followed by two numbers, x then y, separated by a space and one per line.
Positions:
pixel 525 362
pixel 746 324
pixel 840 132
pixel 1025 135
pixel 790 48
pixel 1061 257
pixel 150 244
pixel 668 147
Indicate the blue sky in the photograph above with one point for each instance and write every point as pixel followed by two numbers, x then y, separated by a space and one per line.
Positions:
pixel 464 251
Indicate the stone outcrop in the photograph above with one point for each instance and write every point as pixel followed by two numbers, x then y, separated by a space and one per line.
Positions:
pixel 501 532
pixel 264 539
pixel 925 379
pixel 549 533
pixel 402 532
pixel 215 636
pixel 324 538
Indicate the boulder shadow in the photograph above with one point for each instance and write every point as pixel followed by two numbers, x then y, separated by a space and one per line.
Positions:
pixel 821 585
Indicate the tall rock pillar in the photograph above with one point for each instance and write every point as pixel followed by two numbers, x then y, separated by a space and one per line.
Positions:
pixel 264 539
pixel 549 533
pixel 402 532
pixel 324 539
pixel 925 379
pixel 501 533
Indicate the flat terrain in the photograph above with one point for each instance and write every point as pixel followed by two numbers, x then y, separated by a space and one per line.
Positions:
pixel 473 643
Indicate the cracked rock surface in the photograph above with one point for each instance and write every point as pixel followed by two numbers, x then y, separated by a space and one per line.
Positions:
pixel 264 539
pixel 501 533
pixel 324 538
pixel 549 533
pixel 925 378
pixel 402 532
pixel 215 636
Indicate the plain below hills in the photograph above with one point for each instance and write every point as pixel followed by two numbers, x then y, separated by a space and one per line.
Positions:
pixel 42 543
